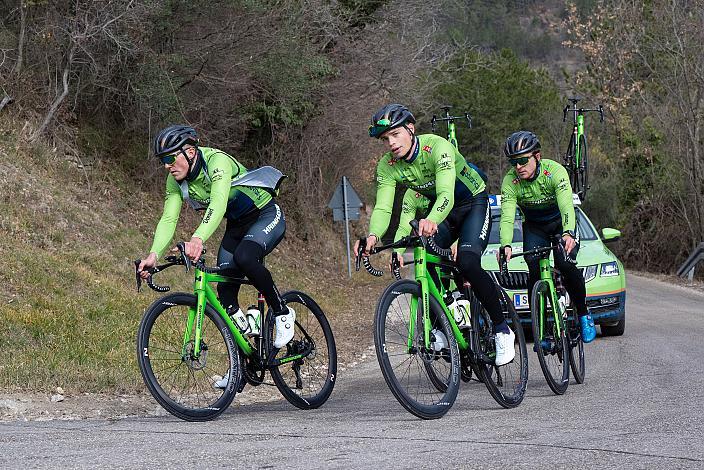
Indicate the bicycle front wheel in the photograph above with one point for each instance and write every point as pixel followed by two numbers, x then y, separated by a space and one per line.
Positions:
pixel 550 338
pixel 424 380
pixel 306 382
pixel 182 381
pixel 507 383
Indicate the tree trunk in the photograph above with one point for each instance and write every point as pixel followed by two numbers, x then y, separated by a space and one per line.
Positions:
pixel 20 43
pixel 59 99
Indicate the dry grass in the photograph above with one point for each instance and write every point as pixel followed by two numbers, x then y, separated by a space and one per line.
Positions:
pixel 68 301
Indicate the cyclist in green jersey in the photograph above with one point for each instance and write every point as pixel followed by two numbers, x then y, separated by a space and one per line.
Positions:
pixel 541 189
pixel 203 177
pixel 431 166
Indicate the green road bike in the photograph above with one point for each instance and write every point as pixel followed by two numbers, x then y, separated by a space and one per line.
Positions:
pixel 425 346
pixel 451 126
pixel 577 156
pixel 187 342
pixel 557 337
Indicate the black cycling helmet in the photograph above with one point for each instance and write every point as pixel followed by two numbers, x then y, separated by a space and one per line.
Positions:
pixel 521 142
pixel 389 117
pixel 173 138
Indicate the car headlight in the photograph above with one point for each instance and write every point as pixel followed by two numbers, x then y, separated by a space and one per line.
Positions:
pixel 590 272
pixel 609 269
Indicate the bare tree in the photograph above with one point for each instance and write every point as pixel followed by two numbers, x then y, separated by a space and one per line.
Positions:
pixel 92 26
pixel 645 61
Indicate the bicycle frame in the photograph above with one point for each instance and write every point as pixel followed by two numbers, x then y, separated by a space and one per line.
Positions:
pixel 428 287
pixel 578 124
pixel 206 295
pixel 546 276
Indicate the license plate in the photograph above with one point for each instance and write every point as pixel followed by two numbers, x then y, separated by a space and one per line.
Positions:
pixel 520 300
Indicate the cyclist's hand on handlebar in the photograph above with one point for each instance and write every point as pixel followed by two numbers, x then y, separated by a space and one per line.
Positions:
pixel 194 248
pixel 569 242
pixel 427 227
pixel 370 242
pixel 453 249
pixel 507 251
pixel 146 264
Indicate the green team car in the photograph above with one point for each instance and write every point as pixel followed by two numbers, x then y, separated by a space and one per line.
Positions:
pixel 603 273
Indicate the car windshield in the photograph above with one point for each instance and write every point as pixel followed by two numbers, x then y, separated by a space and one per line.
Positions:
pixel 585 228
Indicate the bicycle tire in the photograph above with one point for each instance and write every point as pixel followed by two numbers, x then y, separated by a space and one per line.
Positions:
pixel 308 382
pixel 161 362
pixel 583 170
pixel 554 361
pixel 415 389
pixel 506 384
pixel 570 163
pixel 574 335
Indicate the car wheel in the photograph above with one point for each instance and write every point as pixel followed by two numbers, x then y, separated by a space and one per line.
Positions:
pixel 616 329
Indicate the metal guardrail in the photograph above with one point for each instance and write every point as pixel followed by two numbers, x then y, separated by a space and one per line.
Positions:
pixel 687 268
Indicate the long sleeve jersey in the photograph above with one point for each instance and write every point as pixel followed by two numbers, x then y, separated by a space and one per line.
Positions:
pixel 545 198
pixel 212 191
pixel 437 170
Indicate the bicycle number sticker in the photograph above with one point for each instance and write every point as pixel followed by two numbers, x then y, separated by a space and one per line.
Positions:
pixel 520 300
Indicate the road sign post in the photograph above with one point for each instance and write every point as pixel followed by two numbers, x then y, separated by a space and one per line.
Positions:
pixel 345 205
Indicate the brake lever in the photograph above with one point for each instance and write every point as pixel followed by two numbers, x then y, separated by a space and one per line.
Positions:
pixel 503 264
pixel 395 265
pixel 137 262
pixel 563 250
pixel 186 260
pixel 358 256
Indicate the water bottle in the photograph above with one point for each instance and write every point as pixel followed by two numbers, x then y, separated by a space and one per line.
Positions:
pixel 239 318
pixel 562 300
pixel 254 320
pixel 562 297
pixel 460 309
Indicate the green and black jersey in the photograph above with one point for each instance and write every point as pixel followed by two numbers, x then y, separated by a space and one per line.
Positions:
pixel 437 171
pixel 544 199
pixel 211 191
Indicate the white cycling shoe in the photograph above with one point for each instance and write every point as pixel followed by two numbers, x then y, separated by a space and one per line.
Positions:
pixel 284 328
pixel 505 352
pixel 222 383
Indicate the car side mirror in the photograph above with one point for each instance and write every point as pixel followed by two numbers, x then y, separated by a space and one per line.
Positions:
pixel 610 235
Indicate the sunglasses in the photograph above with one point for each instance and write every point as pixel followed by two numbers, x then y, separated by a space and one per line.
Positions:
pixel 520 160
pixel 169 159
pixel 377 129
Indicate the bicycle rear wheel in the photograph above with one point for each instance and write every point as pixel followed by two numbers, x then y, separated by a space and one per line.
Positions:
pixel 307 382
pixel 583 170
pixel 507 383
pixel 425 381
pixel 181 382
pixel 551 346
pixel 574 335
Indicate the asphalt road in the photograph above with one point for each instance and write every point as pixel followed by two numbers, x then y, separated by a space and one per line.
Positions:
pixel 640 407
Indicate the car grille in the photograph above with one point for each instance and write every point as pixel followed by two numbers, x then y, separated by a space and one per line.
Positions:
pixel 516 280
